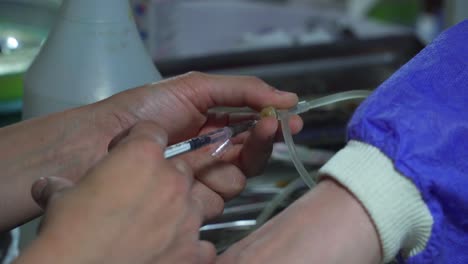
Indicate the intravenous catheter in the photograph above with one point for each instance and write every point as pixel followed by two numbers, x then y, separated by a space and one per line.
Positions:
pixel 224 134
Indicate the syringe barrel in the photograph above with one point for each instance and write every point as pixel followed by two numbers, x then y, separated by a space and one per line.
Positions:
pixel 219 135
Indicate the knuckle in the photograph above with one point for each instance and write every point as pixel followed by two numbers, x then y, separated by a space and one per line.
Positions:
pixel 214 206
pixel 218 204
pixel 260 84
pixel 238 184
pixel 193 83
pixel 257 81
pixel 196 80
pixel 193 78
pixel 254 79
pixel 144 148
pixel 176 186
pixel 194 75
pixel 233 182
pixel 145 126
pixel 183 183
pixel 175 197
pixel 179 186
pixel 183 167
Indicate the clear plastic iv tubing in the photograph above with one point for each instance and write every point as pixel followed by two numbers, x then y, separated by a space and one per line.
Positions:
pixel 302 107
pixel 305 106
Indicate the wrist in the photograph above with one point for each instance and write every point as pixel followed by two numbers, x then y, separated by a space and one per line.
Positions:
pixel 347 230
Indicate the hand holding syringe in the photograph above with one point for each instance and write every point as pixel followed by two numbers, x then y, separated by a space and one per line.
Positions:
pixel 226 133
pixel 222 135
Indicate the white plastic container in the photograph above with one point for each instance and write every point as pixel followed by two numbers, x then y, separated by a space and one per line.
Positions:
pixel 93 52
pixel 189 28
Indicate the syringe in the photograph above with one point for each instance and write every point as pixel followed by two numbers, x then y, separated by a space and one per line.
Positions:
pixel 220 135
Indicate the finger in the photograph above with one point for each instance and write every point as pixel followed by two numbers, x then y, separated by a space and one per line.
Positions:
pixel 140 156
pixel 221 176
pixel 146 128
pixel 200 158
pixel 218 120
pixel 145 145
pixel 253 148
pixel 207 252
pixel 210 203
pixel 44 189
pixel 257 148
pixel 207 91
pixel 295 125
pixel 184 168
pixel 224 178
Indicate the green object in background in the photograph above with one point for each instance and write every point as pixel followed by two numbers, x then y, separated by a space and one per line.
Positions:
pixel 11 86
pixel 403 12
pixel 24 26
pixel 15 61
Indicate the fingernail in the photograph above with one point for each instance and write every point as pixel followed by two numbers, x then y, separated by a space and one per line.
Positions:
pixel 38 188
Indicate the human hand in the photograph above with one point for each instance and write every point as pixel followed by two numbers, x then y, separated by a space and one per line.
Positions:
pixel 327 225
pixel 133 207
pixel 181 105
pixel 67 144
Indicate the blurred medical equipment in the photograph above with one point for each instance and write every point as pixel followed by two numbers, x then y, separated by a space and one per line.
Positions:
pixel 24 25
pixel 93 52
pixel 245 227
pixel 186 28
pixel 455 11
pixel 303 107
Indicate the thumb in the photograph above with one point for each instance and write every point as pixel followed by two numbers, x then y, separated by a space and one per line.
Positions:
pixel 45 188
pixel 207 252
